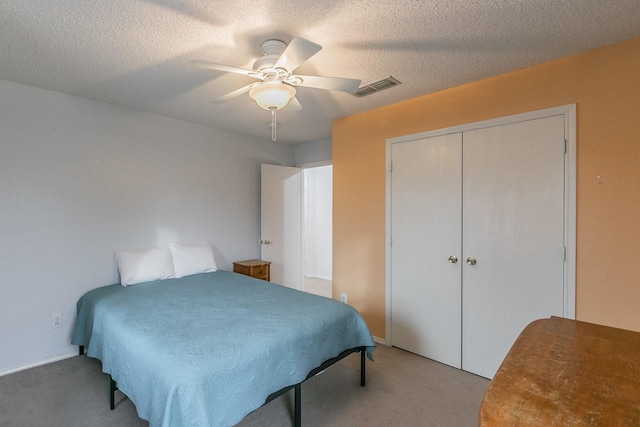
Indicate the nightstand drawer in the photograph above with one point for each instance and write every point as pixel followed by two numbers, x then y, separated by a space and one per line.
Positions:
pixel 255 268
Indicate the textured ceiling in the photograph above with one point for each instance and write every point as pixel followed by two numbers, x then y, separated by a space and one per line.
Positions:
pixel 136 53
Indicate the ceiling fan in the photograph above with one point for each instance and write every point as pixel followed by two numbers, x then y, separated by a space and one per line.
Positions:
pixel 277 85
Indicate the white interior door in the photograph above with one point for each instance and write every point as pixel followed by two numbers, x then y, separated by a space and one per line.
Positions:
pixel 513 225
pixel 426 187
pixel 281 223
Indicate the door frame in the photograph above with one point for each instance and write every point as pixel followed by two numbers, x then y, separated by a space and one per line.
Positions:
pixel 303 167
pixel 305 212
pixel 569 113
pixel 303 209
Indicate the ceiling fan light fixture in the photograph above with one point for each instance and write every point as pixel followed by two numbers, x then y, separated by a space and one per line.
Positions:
pixel 272 96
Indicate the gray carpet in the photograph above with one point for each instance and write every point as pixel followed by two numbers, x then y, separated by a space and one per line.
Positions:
pixel 402 390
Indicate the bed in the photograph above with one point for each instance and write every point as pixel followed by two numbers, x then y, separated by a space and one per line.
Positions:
pixel 208 349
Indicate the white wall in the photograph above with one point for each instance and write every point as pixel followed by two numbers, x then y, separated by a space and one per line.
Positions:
pixel 319 151
pixel 318 224
pixel 80 179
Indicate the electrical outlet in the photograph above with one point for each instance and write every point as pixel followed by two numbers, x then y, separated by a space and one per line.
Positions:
pixel 343 298
pixel 56 320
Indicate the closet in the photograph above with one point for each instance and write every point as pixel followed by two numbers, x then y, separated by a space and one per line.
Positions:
pixel 478 239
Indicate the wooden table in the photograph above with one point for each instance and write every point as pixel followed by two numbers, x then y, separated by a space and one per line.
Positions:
pixel 562 372
pixel 254 267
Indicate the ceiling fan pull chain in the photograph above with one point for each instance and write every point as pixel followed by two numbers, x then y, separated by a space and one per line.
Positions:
pixel 274 133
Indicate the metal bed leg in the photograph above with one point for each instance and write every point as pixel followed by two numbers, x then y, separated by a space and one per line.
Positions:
pixel 298 405
pixel 297 416
pixel 362 367
pixel 112 392
pixel 80 350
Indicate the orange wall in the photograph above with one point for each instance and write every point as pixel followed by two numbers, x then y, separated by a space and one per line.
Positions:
pixel 605 85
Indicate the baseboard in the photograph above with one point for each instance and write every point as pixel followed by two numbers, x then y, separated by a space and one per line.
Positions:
pixel 44 362
pixel 319 276
pixel 380 341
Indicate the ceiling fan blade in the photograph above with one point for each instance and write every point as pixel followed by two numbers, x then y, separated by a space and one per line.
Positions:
pixel 330 83
pixel 235 93
pixel 297 52
pixel 226 68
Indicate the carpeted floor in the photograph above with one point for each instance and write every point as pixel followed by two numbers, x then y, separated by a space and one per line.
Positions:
pixel 317 286
pixel 402 390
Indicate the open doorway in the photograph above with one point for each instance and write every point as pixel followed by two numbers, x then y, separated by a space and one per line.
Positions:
pixel 318 230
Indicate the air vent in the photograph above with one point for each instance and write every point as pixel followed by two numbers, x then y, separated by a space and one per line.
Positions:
pixel 374 87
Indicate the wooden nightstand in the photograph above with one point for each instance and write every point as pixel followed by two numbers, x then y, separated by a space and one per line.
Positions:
pixel 255 268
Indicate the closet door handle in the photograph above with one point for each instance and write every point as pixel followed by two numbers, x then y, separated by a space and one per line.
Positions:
pixel 453 259
pixel 471 261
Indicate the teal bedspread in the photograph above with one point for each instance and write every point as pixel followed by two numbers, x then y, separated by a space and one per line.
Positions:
pixel 208 349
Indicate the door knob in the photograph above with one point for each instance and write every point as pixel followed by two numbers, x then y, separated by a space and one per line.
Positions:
pixel 471 261
pixel 265 242
pixel 453 259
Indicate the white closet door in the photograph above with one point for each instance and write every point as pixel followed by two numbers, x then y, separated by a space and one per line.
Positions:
pixel 513 204
pixel 425 231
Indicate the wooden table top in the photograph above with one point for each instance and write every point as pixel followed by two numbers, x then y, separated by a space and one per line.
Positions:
pixel 563 372
pixel 252 262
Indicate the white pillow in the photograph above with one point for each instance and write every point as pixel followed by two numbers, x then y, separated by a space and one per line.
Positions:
pixel 193 259
pixel 137 266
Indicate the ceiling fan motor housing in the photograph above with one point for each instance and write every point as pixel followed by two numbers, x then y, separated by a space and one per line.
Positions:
pixel 265 64
pixel 273 47
pixel 272 50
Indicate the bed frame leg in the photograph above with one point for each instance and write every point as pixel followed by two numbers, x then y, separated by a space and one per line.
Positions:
pixel 298 405
pixel 80 350
pixel 112 393
pixel 362 368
